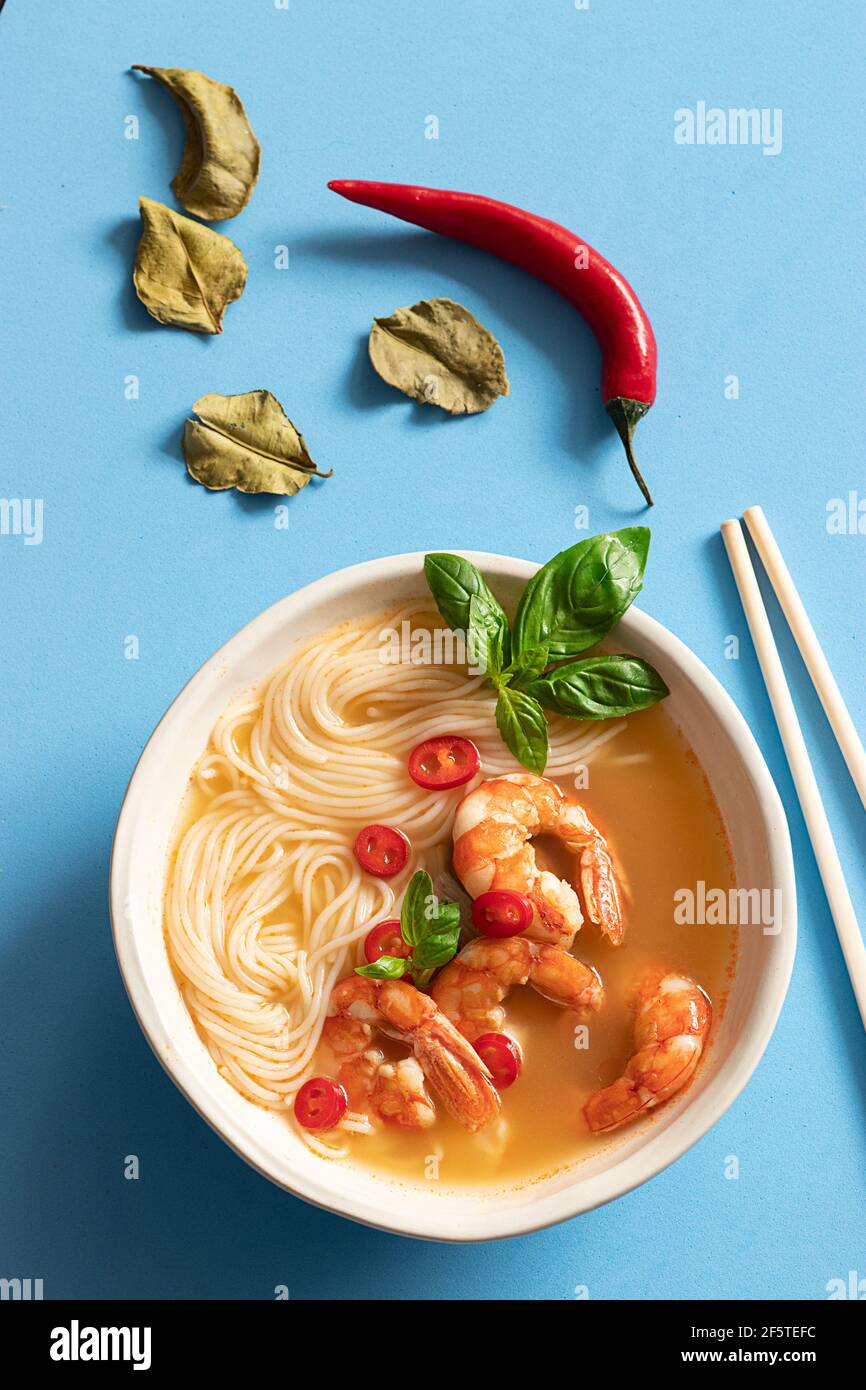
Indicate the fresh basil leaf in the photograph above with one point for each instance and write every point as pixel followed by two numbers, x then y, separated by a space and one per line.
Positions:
pixel 600 687
pixel 453 895
pixel 530 666
pixel 436 950
pixel 454 582
pixel 523 727
pixel 439 354
pixel 413 918
pixel 445 918
pixel 385 968
pixel 487 635
pixel 430 927
pixel 581 593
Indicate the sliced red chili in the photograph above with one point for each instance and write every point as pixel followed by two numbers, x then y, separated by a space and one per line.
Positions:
pixel 502 1057
pixel 442 762
pixel 320 1103
pixel 381 850
pixel 501 913
pixel 386 939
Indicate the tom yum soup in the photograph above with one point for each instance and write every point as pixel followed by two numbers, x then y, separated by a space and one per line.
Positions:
pixel 422 899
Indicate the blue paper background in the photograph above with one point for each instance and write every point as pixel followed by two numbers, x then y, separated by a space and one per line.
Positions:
pixel 748 264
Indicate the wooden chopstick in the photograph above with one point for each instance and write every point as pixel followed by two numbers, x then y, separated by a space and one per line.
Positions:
pixel 818 826
pixel 810 648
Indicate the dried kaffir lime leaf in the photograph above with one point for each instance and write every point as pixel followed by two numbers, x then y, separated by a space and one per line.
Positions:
pixel 438 353
pixel 247 442
pixel 185 274
pixel 220 162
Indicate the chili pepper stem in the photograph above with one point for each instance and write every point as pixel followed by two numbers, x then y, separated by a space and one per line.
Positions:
pixel 636 473
pixel 625 415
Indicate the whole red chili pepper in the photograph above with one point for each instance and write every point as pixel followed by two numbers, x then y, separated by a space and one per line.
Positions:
pixel 589 282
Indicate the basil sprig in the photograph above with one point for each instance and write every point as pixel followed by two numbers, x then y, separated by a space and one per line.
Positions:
pixel 430 927
pixel 569 605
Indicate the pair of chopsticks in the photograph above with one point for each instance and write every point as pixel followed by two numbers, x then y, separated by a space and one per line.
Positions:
pixel 841 907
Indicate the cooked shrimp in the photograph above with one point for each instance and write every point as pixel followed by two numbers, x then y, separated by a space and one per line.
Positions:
pixel 493 828
pixel 394 1090
pixel 453 1069
pixel 401 1096
pixel 471 988
pixel 671 1026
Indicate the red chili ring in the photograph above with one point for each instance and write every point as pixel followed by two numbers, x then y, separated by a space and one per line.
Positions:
pixel 385 939
pixel 381 850
pixel 446 761
pixel 320 1103
pixel 501 913
pixel 502 1057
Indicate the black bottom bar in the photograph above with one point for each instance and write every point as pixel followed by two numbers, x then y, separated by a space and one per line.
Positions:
pixel 150 1337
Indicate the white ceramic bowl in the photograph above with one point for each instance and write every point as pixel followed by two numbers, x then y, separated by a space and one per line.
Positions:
pixel 759 837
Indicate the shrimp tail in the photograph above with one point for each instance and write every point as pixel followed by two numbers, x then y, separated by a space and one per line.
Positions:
pixel 442 1056
pixel 613 1106
pixel 457 1074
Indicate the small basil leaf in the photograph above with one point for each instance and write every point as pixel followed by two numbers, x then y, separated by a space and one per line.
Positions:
pixel 581 593
pixel 446 918
pixel 530 666
pixel 488 635
pixel 453 582
pixel 413 919
pixel 600 687
pixel 454 897
pixel 523 728
pixel 435 950
pixel 385 968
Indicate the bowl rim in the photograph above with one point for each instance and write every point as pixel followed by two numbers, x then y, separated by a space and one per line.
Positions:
pixel 495 1222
